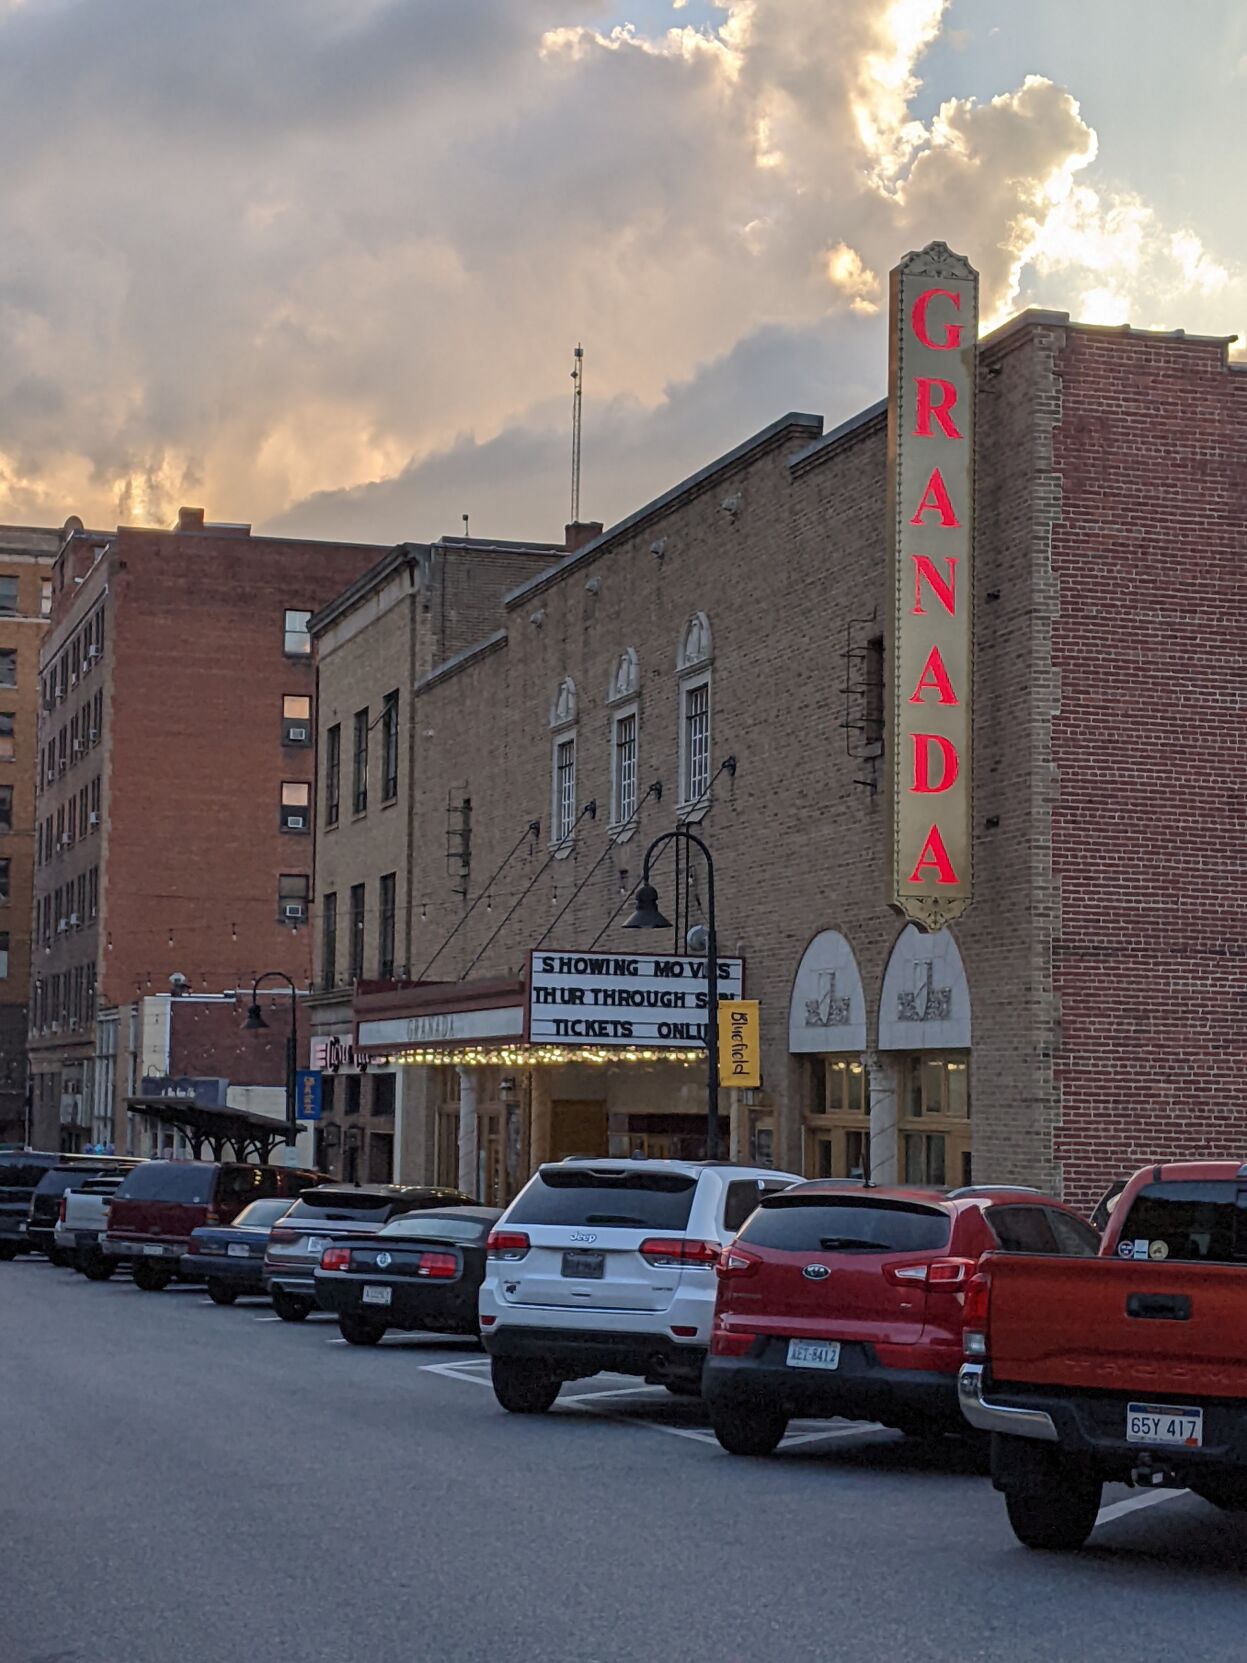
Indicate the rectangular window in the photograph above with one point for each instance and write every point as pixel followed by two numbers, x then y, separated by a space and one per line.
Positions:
pixel 353 1094
pixel 4 955
pixel 80 899
pixel 296 806
pixel 292 893
pixel 75 660
pixel 95 802
pixel 97 718
pixel 355 965
pixel 93 892
pixel 623 779
pixel 45 597
pixel 329 939
pixel 564 788
pixel 297 641
pixel 385 927
pixel 296 719
pixel 82 812
pixel 60 827
pixel 8 666
pixel 6 808
pixel 62 750
pixel 360 783
pixel 6 736
pixel 5 869
pixel 389 748
pixel 8 597
pixel 71 820
pixel 333 773
pixel 383 1093
pixel 696 757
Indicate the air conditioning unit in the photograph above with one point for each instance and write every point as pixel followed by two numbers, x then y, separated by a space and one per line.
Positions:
pixel 295 911
pixel 93 818
pixel 62 926
pixel 51 776
pixel 299 734
pixel 78 747
pixel 56 1027
pixel 73 1023
pixel 94 736
pixel 73 680
pixel 73 920
pixel 92 652
pixel 296 822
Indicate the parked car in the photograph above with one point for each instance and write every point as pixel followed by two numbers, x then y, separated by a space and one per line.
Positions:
pixel 422 1271
pixel 21 1172
pixel 324 1215
pixel 230 1257
pixel 81 1223
pixel 851 1302
pixel 1131 1368
pixel 45 1201
pixel 609 1264
pixel 161 1203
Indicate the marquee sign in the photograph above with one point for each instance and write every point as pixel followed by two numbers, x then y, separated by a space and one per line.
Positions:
pixel 624 999
pixel 931 397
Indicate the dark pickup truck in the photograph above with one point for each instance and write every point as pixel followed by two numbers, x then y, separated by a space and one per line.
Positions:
pixel 1127 1368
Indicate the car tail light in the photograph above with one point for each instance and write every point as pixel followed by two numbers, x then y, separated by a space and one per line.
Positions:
pixel 731 1342
pixel 677 1252
pixel 211 1217
pixel 283 1236
pixel 336 1258
pixel 60 1211
pixel 507 1244
pixel 974 1334
pixel 734 1261
pixel 440 1266
pixel 944 1274
pixel 488 1322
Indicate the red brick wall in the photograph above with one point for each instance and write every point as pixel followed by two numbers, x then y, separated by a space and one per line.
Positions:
pixel 1148 828
pixel 208 1041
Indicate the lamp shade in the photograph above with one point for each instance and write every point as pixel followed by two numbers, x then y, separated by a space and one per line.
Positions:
pixel 255 1020
pixel 646 915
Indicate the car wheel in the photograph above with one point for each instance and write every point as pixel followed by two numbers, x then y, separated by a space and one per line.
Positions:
pixel 357 1330
pixel 220 1293
pixel 151 1278
pixel 95 1266
pixel 59 1257
pixel 7 1252
pixel 1056 1514
pixel 523 1388
pixel 749 1431
pixel 289 1307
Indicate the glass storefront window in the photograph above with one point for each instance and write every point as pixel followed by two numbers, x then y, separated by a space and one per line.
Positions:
pixel 837 1120
pixel 935 1126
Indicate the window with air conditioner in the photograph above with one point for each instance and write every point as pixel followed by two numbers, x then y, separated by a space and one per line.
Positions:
pixel 296 806
pixel 296 719
pixel 292 897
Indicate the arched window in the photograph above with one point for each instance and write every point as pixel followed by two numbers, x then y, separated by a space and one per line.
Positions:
pixel 563 712
pixel 693 663
pixel 621 696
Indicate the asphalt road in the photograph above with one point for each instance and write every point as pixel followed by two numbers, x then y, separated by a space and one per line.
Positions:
pixel 185 1484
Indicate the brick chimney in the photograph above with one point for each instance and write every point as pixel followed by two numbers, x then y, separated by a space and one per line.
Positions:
pixel 190 519
pixel 576 535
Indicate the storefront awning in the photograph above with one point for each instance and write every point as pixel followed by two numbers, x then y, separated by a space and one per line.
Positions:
pixel 227 1133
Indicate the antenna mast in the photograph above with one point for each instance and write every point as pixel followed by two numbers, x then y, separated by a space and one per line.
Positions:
pixel 578 379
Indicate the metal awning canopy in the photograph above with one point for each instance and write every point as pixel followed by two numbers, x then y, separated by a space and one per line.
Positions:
pixel 244 1135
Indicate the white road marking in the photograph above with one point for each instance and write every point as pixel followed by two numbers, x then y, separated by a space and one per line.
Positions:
pixel 266 1319
pixel 853 1430
pixel 619 1391
pixel 1147 1498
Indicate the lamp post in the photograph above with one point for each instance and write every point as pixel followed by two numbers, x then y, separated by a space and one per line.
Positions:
pixel 647 917
pixel 255 1021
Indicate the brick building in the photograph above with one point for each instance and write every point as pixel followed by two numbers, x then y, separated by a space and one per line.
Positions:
pixel 174 806
pixel 727 644
pixel 26 557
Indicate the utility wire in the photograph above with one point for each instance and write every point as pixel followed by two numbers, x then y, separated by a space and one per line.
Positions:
pixel 590 809
pixel 655 790
pixel 533 829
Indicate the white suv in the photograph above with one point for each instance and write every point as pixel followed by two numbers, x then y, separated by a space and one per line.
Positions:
pixel 605 1264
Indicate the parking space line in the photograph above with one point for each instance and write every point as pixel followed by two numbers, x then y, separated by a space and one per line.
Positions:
pixel 619 1391
pixel 853 1431
pixel 1148 1498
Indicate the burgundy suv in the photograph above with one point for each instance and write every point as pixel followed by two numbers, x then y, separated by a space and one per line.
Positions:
pixel 849 1301
pixel 154 1211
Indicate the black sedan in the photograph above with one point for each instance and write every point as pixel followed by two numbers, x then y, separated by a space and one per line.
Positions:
pixel 424 1270
pixel 230 1257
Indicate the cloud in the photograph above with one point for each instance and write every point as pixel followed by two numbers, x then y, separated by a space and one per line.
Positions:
pixel 316 259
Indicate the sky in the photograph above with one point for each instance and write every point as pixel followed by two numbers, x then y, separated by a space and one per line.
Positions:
pixel 320 265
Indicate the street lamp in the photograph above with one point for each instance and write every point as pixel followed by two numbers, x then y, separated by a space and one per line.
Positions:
pixel 647 917
pixel 255 1021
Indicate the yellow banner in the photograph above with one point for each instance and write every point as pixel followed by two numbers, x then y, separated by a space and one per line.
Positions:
pixel 740 1043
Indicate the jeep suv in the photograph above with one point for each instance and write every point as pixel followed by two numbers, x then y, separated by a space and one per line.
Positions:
pixel 609 1264
pixel 836 1301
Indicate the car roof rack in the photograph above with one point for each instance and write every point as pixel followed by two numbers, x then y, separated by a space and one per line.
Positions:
pixel 991 1189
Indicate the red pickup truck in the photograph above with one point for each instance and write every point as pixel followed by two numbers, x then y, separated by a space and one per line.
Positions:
pixel 1128 1368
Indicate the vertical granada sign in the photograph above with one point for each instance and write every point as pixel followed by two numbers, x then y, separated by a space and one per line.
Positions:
pixel 931 387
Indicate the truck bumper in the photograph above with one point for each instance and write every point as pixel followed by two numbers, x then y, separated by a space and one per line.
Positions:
pixel 1000 1417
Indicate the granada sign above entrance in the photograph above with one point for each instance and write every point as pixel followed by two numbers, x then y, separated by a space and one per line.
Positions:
pixel 931 396
pixel 624 999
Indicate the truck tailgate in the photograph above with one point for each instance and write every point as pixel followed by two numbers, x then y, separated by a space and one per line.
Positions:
pixel 1117 1325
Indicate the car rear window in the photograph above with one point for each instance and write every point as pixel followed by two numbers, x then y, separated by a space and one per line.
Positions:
pixel 1187 1220
pixel 61 1179
pixel 595 1195
pixel 21 1175
pixel 264 1212
pixel 429 1227
pixel 808 1223
pixel 188 1182
pixel 339 1204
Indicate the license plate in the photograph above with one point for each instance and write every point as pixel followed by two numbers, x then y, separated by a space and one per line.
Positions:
pixel 317 1244
pixel 237 1250
pixel 1160 1423
pixel 153 1250
pixel 813 1354
pixel 587 1267
pixel 377 1296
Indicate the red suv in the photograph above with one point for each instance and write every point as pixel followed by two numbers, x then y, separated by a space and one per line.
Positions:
pixel 839 1301
pixel 154 1211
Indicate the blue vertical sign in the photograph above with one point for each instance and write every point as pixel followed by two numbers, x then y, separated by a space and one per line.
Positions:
pixel 307 1084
